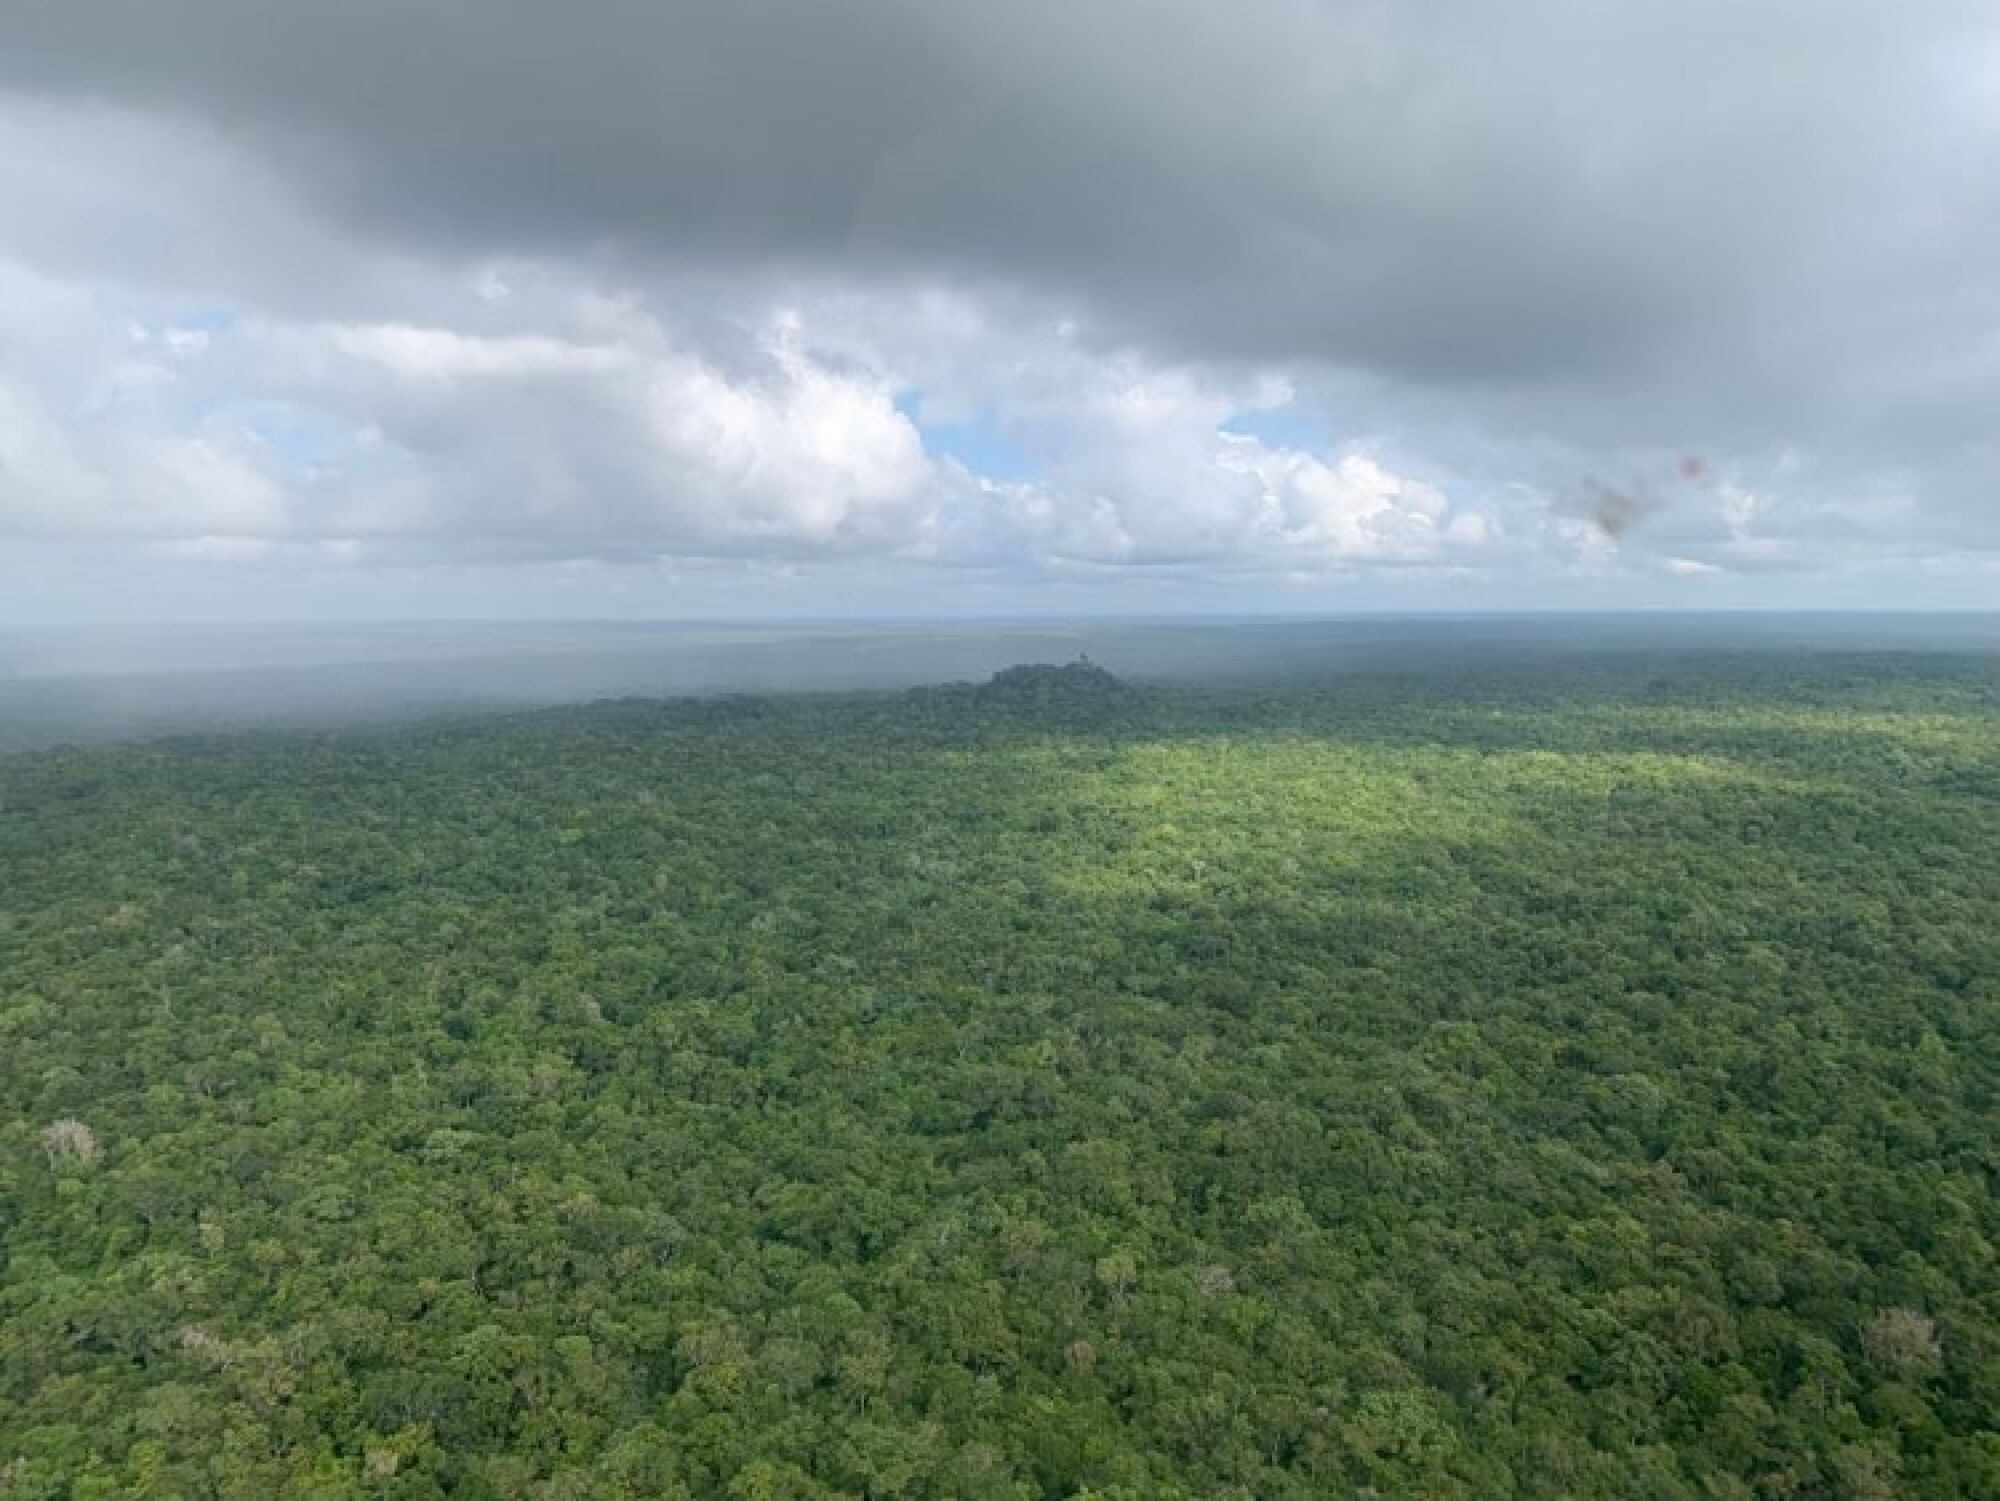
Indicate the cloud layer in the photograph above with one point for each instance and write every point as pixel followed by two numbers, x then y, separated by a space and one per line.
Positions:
pixel 1297 292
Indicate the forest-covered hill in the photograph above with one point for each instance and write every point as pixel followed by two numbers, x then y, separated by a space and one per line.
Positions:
pixel 1577 1080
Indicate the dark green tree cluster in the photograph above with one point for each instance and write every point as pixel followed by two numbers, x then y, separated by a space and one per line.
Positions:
pixel 1574 1080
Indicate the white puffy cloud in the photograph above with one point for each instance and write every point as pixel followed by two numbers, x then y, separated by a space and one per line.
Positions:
pixel 566 417
pixel 629 443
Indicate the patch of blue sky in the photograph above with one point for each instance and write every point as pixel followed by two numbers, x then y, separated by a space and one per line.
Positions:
pixel 1289 426
pixel 976 441
pixel 206 315
pixel 301 440
pixel 209 316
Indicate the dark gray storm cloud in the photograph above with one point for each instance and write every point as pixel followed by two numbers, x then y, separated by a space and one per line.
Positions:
pixel 1518 246
pixel 1539 191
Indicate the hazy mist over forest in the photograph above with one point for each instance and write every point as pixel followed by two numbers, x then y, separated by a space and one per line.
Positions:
pixel 108 683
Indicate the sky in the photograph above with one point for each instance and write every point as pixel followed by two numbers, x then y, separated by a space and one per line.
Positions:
pixel 741 308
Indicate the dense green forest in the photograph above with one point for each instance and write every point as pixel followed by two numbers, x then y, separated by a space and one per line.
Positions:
pixel 1572 1079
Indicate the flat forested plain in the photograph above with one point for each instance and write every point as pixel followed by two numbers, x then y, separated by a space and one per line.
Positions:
pixel 1573 1078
